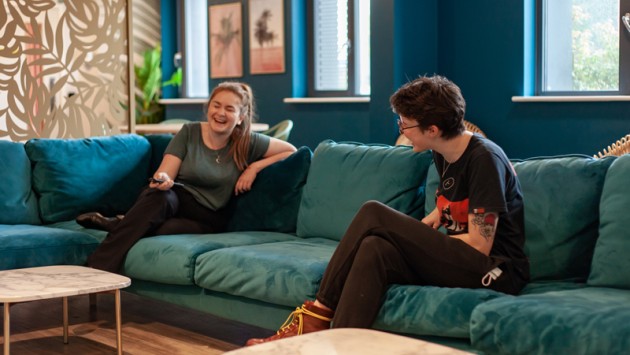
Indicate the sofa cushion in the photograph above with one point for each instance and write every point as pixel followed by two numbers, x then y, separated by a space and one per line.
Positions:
pixel 29 246
pixel 343 176
pixel 430 310
pixel 561 197
pixel 170 259
pixel 18 202
pixel 158 142
pixel 585 321
pixel 612 251
pixel 284 273
pixel 72 176
pixel 273 202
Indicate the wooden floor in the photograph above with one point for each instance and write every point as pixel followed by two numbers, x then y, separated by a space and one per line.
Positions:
pixel 148 327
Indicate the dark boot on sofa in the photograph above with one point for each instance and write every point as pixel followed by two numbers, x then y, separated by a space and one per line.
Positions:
pixel 306 319
pixel 95 220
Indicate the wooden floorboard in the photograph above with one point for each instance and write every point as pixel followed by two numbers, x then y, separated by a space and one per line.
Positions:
pixel 148 327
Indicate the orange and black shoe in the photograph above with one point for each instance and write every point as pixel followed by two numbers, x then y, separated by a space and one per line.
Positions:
pixel 306 319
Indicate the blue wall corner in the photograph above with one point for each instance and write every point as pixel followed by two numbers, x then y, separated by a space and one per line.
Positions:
pixel 168 11
pixel 298 50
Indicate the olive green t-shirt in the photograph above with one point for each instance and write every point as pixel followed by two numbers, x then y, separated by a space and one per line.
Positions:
pixel 210 175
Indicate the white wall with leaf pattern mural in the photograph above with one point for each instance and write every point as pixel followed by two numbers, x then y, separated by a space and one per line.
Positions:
pixel 63 68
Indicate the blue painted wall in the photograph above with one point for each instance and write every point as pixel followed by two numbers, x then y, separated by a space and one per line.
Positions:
pixel 478 44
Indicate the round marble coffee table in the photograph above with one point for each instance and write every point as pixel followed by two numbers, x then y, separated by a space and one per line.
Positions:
pixel 348 341
pixel 40 283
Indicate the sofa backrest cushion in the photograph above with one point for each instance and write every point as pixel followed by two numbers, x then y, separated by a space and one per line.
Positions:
pixel 72 176
pixel 433 180
pixel 611 260
pixel 343 176
pixel 159 142
pixel 273 202
pixel 561 197
pixel 18 202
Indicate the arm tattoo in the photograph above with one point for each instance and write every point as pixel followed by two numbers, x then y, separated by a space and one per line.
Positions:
pixel 486 223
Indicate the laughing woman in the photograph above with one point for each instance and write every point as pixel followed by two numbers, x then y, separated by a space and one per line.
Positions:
pixel 204 165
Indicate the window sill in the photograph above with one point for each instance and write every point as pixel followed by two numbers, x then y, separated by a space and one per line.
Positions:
pixel 570 98
pixel 326 100
pixel 183 101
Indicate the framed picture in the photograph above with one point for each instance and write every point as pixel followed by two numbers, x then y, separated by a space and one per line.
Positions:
pixel 266 36
pixel 225 27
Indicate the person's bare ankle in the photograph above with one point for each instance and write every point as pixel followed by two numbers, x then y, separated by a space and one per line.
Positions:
pixel 321 305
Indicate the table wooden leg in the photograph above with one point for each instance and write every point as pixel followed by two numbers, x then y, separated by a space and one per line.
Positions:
pixel 7 328
pixel 65 320
pixel 118 324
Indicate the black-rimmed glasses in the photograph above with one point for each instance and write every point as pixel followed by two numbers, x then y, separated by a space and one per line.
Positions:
pixel 401 128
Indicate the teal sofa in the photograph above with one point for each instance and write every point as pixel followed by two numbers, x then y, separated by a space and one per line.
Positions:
pixel 283 232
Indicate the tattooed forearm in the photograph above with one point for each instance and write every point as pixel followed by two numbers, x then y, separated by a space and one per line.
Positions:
pixel 486 223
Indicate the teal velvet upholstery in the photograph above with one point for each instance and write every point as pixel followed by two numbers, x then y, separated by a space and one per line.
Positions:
pixel 29 246
pixel 240 309
pixel 18 203
pixel 170 259
pixel 585 321
pixel 611 261
pixel 433 180
pixel 273 202
pixel 285 273
pixel 158 142
pixel 561 197
pixel 343 176
pixel 72 176
pixel 429 310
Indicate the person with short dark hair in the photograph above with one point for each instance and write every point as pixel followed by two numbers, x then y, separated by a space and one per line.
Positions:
pixel 478 201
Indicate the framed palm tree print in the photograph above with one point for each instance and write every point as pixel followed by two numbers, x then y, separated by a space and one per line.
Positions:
pixel 266 36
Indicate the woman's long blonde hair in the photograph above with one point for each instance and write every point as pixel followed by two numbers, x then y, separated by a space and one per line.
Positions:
pixel 240 137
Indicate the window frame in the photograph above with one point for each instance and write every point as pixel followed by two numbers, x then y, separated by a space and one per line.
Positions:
pixel 351 90
pixel 624 57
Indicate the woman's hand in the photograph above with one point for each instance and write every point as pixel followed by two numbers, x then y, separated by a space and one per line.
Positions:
pixel 432 219
pixel 246 180
pixel 166 183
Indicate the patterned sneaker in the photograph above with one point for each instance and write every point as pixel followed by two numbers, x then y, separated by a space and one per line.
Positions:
pixel 306 319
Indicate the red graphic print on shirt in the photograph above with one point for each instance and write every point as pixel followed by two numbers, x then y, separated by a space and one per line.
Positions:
pixel 453 215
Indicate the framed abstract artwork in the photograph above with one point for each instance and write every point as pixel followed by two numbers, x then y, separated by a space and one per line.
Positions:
pixel 225 34
pixel 266 36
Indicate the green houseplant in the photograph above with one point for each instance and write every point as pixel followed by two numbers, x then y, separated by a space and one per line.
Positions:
pixel 148 86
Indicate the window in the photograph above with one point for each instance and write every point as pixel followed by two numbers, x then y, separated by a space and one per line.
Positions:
pixel 583 47
pixel 339 54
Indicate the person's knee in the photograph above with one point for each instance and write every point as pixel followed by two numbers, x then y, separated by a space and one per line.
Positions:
pixel 372 208
pixel 159 197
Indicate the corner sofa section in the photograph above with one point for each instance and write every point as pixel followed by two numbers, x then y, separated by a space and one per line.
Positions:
pixel 283 232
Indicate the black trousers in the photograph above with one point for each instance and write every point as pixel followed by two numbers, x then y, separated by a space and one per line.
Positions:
pixel 156 212
pixel 382 247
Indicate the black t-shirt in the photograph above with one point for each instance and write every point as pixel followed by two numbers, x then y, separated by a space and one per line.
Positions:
pixel 483 180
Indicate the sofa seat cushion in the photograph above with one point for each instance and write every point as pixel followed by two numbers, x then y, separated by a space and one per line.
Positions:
pixel 24 245
pixel 611 260
pixel 585 321
pixel 430 310
pixel 550 286
pixel 284 273
pixel 561 196
pixel 343 176
pixel 170 259
pixel 72 176
pixel 18 202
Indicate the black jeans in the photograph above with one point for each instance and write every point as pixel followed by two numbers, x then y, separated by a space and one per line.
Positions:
pixel 382 247
pixel 156 212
